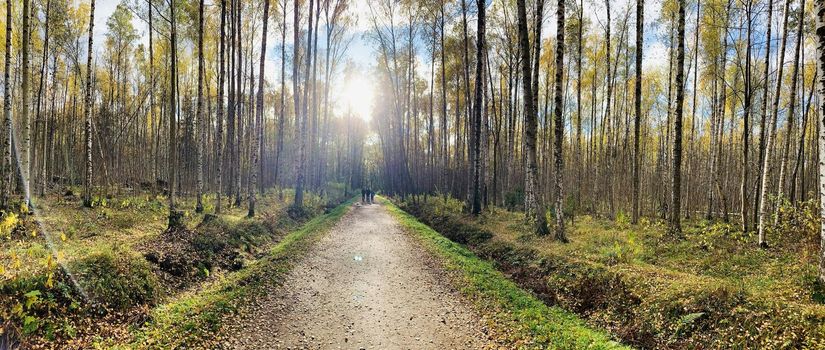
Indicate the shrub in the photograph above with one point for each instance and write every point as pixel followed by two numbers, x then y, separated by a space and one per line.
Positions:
pixel 29 304
pixel 115 279
pixel 514 199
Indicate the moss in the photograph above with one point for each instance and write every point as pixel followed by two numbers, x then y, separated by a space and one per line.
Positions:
pixel 116 279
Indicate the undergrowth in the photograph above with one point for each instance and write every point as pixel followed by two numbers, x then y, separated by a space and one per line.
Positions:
pixel 713 289
pixel 194 318
pixel 70 275
pixel 525 321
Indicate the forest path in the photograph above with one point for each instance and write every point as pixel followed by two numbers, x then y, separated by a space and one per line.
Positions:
pixel 365 285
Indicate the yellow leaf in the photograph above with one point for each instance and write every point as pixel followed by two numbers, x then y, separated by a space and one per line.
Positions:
pixel 63 236
pixel 17 309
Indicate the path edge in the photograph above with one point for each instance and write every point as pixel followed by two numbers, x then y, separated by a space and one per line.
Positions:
pixel 191 319
pixel 523 321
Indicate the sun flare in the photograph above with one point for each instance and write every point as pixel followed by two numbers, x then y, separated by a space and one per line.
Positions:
pixel 356 97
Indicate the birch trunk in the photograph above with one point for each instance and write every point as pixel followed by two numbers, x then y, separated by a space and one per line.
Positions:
pixel 533 205
pixel 675 213
pixel 87 111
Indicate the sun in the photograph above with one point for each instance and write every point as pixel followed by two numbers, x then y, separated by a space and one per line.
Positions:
pixel 356 97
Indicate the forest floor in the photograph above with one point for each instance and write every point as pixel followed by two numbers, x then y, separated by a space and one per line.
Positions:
pixel 365 285
pixel 71 277
pixel 712 288
pixel 353 277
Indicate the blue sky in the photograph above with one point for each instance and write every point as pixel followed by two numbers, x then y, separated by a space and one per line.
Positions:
pixel 362 52
pixel 361 49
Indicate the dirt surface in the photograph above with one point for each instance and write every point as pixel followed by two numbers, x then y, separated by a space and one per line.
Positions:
pixel 365 285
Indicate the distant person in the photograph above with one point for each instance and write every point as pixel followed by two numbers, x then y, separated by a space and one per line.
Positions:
pixel 363 196
pixel 372 197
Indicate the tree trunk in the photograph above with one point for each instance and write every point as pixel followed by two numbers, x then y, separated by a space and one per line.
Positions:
pixel 791 107
pixel 558 123
pixel 764 114
pixel 468 107
pixel 39 117
pixel 281 117
pixel 675 213
pixel 799 168
pixel 231 110
pixel 445 150
pixel 87 105
pixel 259 115
pixel 743 194
pixel 175 217
pixel 820 61
pixel 637 104
pixel 763 203
pixel 6 161
pixel 532 201
pixel 579 158
pixel 692 140
pixel 299 184
pixel 199 114
pixel 477 111
pixel 219 127
pixel 239 110
pixel 25 156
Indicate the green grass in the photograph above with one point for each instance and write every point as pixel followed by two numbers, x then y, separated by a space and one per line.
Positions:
pixel 105 249
pixel 523 320
pixel 195 317
pixel 712 289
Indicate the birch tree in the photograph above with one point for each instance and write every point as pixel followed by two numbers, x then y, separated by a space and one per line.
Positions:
pixel 533 205
pixel 820 64
pixel 675 226
pixel 558 122
pixel 87 111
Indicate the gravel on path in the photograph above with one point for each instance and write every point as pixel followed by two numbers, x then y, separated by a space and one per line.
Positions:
pixel 365 285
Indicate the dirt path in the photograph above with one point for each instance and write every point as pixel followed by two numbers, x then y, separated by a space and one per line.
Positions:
pixel 365 285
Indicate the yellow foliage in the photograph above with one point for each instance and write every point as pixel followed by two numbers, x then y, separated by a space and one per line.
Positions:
pixel 15 261
pixel 24 208
pixel 8 223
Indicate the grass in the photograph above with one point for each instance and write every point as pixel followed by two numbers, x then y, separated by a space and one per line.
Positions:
pixel 194 317
pixel 525 321
pixel 717 251
pixel 712 289
pixel 71 275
